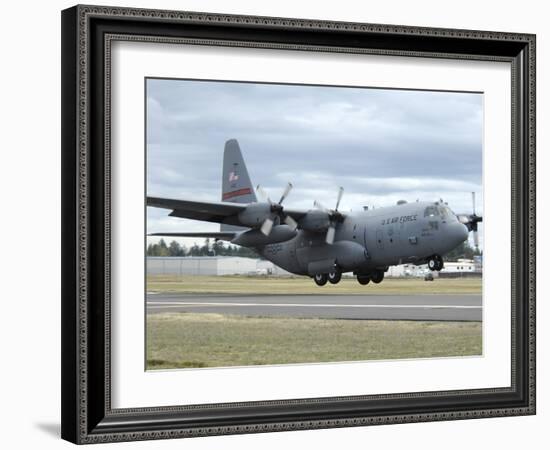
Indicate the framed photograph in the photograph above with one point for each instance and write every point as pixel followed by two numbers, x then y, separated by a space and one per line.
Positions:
pixel 280 224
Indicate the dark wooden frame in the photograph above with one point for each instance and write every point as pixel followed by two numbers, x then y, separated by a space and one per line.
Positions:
pixel 87 32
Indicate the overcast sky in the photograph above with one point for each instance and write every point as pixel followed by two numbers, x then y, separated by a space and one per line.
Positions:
pixel 381 145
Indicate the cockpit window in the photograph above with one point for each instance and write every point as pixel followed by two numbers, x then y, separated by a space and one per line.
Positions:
pixel 450 213
pixel 431 211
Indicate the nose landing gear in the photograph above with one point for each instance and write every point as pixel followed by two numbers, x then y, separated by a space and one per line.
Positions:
pixel 435 263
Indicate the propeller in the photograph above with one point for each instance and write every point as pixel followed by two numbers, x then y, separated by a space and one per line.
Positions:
pixel 276 210
pixel 471 220
pixel 475 219
pixel 334 216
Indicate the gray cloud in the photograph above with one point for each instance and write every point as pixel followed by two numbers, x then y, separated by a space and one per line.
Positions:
pixel 381 145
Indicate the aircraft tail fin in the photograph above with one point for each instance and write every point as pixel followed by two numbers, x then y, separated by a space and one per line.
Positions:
pixel 236 184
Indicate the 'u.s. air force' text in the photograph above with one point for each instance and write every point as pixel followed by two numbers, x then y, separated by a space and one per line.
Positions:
pixel 401 219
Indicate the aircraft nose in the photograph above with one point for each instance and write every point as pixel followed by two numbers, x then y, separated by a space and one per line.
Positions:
pixel 460 233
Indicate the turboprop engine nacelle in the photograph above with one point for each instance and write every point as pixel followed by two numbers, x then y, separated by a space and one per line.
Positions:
pixel 254 215
pixel 315 220
pixel 254 238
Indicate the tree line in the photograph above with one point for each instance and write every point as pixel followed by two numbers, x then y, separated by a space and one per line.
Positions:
pixel 219 248
pixel 216 248
pixel 463 251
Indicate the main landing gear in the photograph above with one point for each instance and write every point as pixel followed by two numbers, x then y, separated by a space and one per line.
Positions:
pixel 376 276
pixel 332 277
pixel 435 263
pixel 320 279
pixel 335 277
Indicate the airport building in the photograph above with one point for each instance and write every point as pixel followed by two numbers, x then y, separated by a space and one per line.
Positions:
pixel 462 267
pixel 211 265
pixel 235 265
pixel 407 270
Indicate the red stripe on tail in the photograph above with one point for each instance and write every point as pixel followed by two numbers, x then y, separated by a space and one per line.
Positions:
pixel 243 191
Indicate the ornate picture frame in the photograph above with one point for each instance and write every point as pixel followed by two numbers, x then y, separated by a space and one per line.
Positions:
pixel 88 33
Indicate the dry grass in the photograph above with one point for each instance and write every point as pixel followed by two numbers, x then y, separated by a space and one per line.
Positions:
pixel 183 340
pixel 192 284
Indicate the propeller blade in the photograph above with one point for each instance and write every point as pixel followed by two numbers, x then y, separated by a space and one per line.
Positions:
pixel 476 239
pixel 291 223
pixel 266 227
pixel 340 193
pixel 474 203
pixel 463 219
pixel 330 235
pixel 263 193
pixel 285 193
pixel 319 205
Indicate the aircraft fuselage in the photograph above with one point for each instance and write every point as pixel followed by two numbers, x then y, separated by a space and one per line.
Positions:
pixel 372 240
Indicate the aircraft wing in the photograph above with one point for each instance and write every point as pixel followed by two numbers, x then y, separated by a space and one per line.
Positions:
pixel 220 212
pixel 296 214
pixel 218 235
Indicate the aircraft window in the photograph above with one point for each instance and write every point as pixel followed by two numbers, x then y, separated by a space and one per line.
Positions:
pixel 447 213
pixel 431 211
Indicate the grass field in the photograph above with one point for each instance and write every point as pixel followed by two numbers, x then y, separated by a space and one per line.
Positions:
pixel 238 284
pixel 183 340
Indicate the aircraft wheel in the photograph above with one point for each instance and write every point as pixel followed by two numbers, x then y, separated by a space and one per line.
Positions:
pixel 377 276
pixel 335 277
pixel 363 279
pixel 320 279
pixel 435 263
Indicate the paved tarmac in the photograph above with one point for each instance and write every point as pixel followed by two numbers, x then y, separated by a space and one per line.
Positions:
pixel 360 307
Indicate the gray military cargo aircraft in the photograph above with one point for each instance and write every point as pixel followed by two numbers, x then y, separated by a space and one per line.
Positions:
pixel 320 242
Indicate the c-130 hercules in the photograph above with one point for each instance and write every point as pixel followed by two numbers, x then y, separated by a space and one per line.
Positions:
pixel 324 243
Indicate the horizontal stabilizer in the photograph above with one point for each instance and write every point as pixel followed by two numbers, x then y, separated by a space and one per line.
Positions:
pixel 220 212
pixel 223 235
pixel 223 208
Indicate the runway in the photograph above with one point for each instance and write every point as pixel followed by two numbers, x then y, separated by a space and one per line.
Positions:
pixel 366 307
